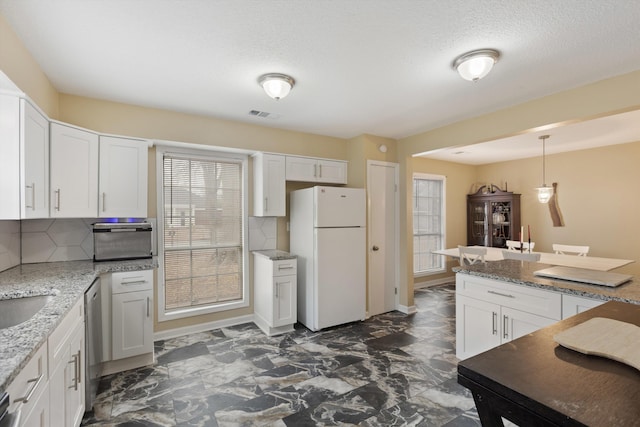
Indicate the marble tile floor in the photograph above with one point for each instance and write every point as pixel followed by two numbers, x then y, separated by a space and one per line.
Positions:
pixel 390 370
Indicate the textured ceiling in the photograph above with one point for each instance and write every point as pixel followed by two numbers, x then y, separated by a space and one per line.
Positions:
pixel 361 66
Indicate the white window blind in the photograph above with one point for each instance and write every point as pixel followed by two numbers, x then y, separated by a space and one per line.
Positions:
pixel 428 223
pixel 202 232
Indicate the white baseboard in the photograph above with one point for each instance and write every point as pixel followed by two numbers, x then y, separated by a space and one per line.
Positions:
pixel 121 365
pixel 202 327
pixel 435 282
pixel 407 310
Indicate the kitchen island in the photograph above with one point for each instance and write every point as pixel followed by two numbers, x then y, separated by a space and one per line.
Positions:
pixel 497 302
pixel 521 273
pixel 66 282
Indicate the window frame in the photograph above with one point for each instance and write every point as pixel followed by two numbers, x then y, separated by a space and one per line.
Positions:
pixel 443 222
pixel 207 155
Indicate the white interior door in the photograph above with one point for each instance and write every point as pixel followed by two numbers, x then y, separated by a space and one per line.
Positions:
pixel 382 180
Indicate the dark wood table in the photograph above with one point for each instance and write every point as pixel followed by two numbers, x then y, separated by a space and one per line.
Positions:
pixel 533 381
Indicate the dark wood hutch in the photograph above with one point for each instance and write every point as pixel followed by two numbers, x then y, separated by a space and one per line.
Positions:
pixel 493 217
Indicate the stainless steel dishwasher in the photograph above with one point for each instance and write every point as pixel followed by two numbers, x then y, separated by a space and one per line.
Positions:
pixel 93 340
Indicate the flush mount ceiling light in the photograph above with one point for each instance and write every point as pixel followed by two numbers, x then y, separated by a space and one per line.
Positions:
pixel 276 85
pixel 544 192
pixel 476 64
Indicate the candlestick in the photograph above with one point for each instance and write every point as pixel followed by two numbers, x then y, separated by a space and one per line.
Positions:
pixel 522 234
pixel 529 235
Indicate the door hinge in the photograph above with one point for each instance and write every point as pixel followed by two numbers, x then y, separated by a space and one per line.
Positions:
pixel 395 187
pixel 395 290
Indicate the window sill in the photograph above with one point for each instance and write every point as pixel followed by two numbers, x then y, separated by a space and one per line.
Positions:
pixel 165 316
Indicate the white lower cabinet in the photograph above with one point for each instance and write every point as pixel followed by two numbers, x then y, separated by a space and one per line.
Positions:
pixel 275 290
pixel 131 314
pixel 490 313
pixel 29 391
pixel 66 369
pixel 572 304
pixel 49 391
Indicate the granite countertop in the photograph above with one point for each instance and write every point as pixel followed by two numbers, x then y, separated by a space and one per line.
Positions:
pixel 67 282
pixel 275 254
pixel 521 273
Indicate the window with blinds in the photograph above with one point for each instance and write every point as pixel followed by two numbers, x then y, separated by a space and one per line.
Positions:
pixel 428 223
pixel 202 232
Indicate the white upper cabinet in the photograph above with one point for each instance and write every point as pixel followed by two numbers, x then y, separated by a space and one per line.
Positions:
pixel 269 194
pixel 24 160
pixel 309 169
pixel 123 177
pixel 34 146
pixel 9 157
pixel 74 172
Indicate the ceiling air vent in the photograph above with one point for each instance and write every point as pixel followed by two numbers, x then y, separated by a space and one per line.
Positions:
pixel 263 114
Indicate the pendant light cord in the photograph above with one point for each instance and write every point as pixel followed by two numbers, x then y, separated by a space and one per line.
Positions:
pixel 543 138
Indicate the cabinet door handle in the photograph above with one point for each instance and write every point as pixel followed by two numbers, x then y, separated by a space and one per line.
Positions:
pixel 133 282
pixel 104 205
pixel 505 326
pixel 75 371
pixel 36 382
pixel 285 267
pixel 277 287
pixel 266 204
pixel 79 365
pixel 315 171
pixel 148 306
pixel 320 168
pixel 501 294
pixel 33 196
pixel 495 323
pixel 57 199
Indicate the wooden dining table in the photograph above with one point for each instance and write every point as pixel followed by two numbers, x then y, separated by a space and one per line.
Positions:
pixel 588 262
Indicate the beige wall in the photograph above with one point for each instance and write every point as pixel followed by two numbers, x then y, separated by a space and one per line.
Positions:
pixel 597 195
pixel 18 64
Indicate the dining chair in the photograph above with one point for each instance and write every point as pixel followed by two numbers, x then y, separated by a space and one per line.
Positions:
pixel 570 249
pixel 469 255
pixel 522 256
pixel 514 245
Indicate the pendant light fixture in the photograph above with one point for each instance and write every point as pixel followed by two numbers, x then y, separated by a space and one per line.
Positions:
pixel 545 192
pixel 276 85
pixel 476 64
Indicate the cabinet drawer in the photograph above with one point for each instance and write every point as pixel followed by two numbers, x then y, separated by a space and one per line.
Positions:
pixel 59 338
pixel 131 281
pixel 519 297
pixel 285 267
pixel 30 382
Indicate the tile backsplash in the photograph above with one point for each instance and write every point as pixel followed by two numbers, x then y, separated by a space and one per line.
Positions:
pixel 9 244
pixel 48 240
pixel 262 233
pixel 70 239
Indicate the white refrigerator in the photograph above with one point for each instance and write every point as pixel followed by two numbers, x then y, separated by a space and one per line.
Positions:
pixel 328 235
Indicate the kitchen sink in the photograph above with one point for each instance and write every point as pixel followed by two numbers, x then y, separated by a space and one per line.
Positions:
pixel 17 310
